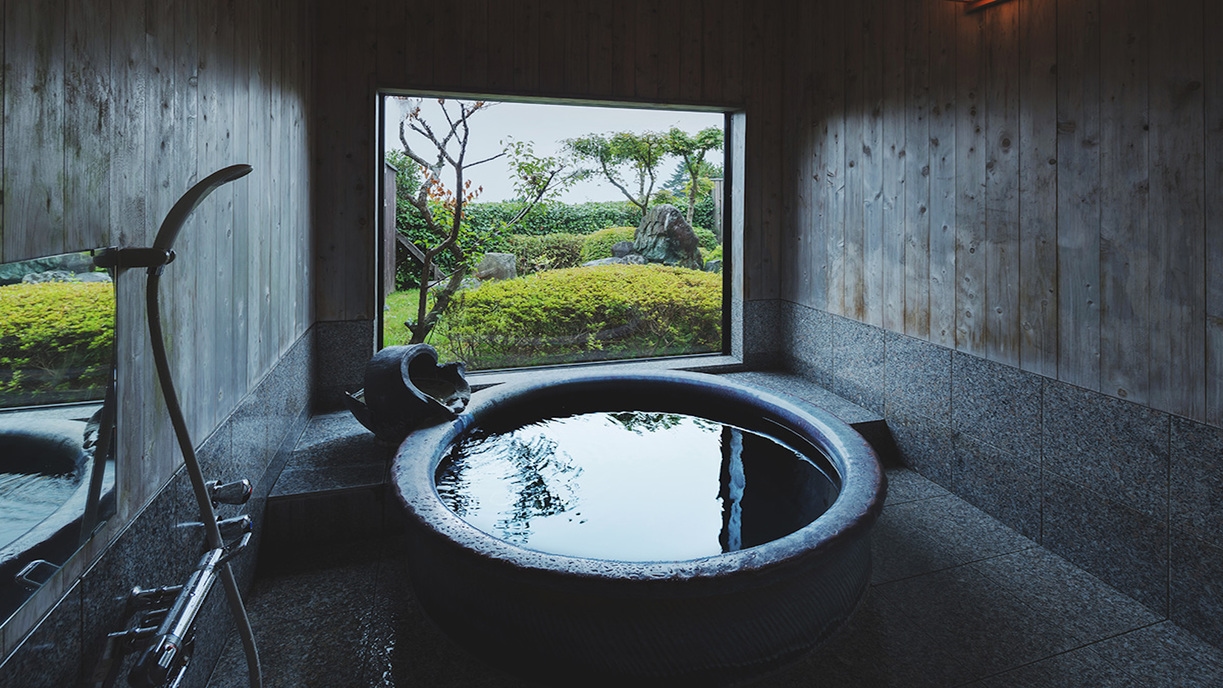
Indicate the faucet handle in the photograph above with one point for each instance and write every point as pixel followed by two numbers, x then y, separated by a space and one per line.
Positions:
pixel 237 492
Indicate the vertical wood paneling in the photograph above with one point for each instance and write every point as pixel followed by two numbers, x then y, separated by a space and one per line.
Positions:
pixel 393 40
pixel 894 165
pixel 647 63
pixel 419 32
pixel 917 170
pixel 259 252
pixel 475 43
pixel 1125 351
pixel 245 18
pixel 754 179
pixel 624 50
pixel 970 186
pixel 833 112
pixel 1177 243
pixel 713 50
pixel 577 39
pixel 526 46
pixel 854 239
pixel 1213 25
pixel 1002 185
pixel 601 68
pixel 872 155
pixel 733 88
pixel 1078 196
pixel 87 125
pixel 3 90
pixel 942 176
pixel 448 28
pixel 34 130
pixel 1038 303
pixel 204 226
pixel 500 53
pixel 128 212
pixel 688 60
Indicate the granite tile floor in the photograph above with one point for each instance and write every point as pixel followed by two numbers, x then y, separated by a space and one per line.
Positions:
pixel 957 599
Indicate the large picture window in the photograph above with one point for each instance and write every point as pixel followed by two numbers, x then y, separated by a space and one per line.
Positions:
pixel 521 234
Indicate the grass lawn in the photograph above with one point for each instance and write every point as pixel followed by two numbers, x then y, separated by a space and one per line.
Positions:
pixel 401 307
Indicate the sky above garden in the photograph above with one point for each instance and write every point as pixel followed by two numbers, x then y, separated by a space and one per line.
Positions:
pixel 547 126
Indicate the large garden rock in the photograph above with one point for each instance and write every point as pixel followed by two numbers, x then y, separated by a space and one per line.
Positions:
pixel 664 236
pixel 621 249
pixel 497 266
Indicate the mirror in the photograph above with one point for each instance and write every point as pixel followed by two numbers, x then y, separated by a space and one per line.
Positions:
pixel 57 409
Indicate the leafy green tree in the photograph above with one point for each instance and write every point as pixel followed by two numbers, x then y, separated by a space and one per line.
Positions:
pixel 691 150
pixel 440 207
pixel 625 159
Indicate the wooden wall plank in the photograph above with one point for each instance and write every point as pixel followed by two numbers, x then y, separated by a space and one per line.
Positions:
pixel 1002 184
pixel 245 17
pixel 601 67
pixel 624 51
pixel 916 305
pixel 870 34
pixel 577 39
pixel 1125 343
pixel 475 41
pixel 942 113
pixel 894 142
pixel 833 111
pixel 448 26
pixel 526 46
pixel 688 44
pixel 420 32
pixel 854 233
pixel 733 59
pixel 647 62
pixel 3 90
pixel 815 254
pixel 1177 245
pixel 1078 198
pixel 34 130
pixel 500 52
pixel 1038 303
pixel 713 50
pixel 770 104
pixel 1213 76
pixel 393 41
pixel 259 252
pixel 87 126
pixel 204 225
pixel 970 185
pixel 794 71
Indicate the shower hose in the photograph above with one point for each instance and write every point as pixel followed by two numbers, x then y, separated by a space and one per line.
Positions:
pixel 165 238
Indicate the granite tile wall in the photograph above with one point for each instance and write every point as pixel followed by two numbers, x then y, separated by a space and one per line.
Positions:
pixel 1133 495
pixel 343 348
pixel 165 540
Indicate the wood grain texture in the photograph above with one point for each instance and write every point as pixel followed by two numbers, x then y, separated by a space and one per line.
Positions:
pixel 1078 193
pixel 87 115
pixel 916 309
pixel 34 130
pixel 1038 302
pixel 970 185
pixel 942 113
pixel 870 33
pixel 1002 265
pixel 894 142
pixel 1177 246
pixel 1213 25
pixel 1125 346
pixel 854 230
pixel 832 110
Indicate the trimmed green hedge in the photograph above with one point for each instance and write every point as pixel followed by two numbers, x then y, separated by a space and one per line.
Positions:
pixel 705 238
pixel 56 341
pixel 586 314
pixel 599 245
pixel 547 252
pixel 554 218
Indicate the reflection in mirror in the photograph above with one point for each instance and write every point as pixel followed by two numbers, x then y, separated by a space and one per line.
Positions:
pixel 57 468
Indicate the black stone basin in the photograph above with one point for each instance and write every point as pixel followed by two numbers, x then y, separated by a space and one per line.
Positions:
pixel 712 620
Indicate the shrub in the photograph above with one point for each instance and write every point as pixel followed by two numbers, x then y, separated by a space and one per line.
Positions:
pixel 553 218
pixel 547 252
pixel 56 341
pixel 599 245
pixel 584 314
pixel 714 254
pixel 705 238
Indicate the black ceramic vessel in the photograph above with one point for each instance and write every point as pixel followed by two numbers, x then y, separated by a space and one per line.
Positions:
pixel 714 621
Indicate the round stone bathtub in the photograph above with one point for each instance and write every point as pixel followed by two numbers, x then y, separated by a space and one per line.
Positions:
pixel 714 619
